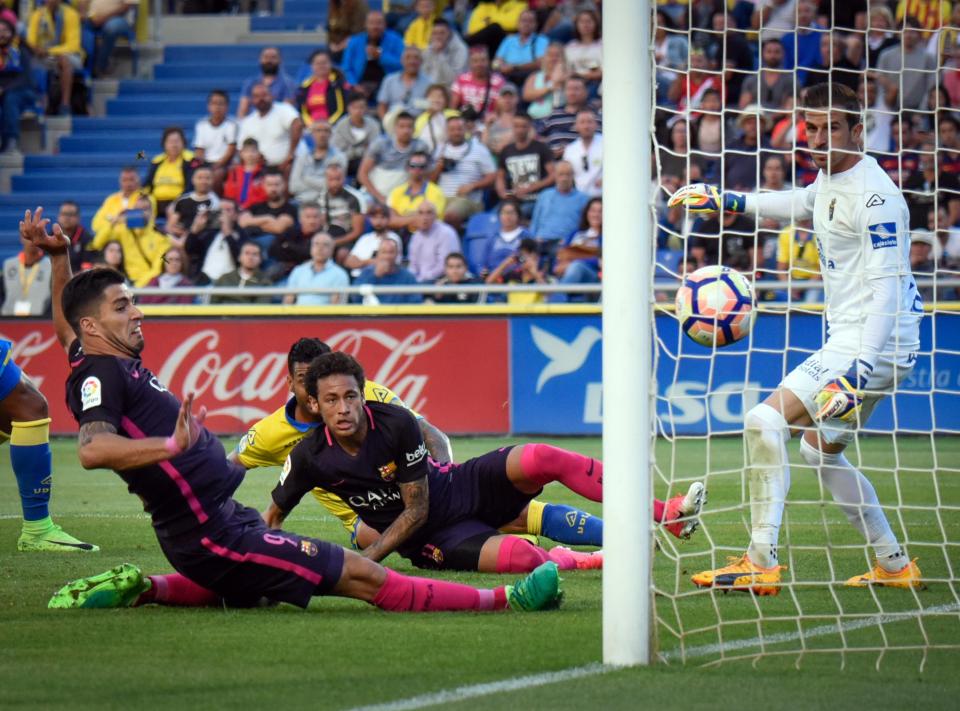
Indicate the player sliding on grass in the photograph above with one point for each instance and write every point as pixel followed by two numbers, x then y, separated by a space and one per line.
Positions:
pixel 131 423
pixel 873 316
pixel 372 456
pixel 270 441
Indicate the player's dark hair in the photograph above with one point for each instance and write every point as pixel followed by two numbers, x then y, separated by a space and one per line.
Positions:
pixel 405 115
pixel 83 293
pixel 335 363
pixel 305 350
pixel 833 97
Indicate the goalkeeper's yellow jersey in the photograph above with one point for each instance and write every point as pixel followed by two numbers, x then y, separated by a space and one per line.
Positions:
pixel 269 441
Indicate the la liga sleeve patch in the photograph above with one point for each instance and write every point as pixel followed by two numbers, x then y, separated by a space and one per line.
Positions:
pixel 91 393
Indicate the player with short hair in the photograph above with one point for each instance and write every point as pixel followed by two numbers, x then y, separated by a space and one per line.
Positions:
pixel 25 422
pixel 438 516
pixel 222 550
pixel 270 441
pixel 873 313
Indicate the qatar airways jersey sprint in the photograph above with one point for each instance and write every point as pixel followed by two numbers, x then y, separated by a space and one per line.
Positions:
pixel 860 221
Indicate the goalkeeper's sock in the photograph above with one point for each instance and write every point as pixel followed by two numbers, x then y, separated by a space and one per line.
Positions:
pixel 564 524
pixel 766 433
pixel 32 465
pixel 543 463
pixel 857 498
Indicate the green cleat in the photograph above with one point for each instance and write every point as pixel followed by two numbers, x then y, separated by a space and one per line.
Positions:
pixel 118 587
pixel 540 590
pixel 53 539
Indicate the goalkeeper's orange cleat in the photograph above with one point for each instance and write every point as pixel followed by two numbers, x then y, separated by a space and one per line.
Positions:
pixel 742 575
pixel 909 577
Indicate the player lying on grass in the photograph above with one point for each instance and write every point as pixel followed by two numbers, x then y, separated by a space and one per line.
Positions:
pixel 25 422
pixel 221 550
pixel 270 441
pixel 873 314
pixel 446 516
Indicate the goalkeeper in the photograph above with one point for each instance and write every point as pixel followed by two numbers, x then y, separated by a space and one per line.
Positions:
pixel 873 313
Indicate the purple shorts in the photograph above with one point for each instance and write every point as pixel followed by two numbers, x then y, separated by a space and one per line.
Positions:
pixel 244 561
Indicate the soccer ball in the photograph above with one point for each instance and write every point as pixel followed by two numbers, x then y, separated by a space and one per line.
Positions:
pixel 715 306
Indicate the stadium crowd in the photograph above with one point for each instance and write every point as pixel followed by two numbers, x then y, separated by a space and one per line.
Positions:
pixel 454 142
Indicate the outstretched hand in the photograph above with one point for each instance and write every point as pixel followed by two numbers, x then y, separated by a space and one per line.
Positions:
pixel 189 425
pixel 33 228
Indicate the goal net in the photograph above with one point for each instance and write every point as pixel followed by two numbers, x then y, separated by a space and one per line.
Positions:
pixel 724 115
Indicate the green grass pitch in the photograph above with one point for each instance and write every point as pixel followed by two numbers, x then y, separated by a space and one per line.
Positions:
pixel 341 653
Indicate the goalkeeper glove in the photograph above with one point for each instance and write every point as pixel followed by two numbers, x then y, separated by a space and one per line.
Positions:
pixel 701 197
pixel 841 397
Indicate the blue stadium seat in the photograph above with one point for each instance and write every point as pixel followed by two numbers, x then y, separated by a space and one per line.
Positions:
pixel 667 261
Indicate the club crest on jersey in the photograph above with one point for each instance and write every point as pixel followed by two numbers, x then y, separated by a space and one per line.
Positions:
pixel 388 471
pixel 874 201
pixel 308 548
pixel 833 205
pixel 91 393
pixel 883 234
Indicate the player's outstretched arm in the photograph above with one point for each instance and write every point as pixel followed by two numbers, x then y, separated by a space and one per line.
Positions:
pixel 438 444
pixel 781 205
pixel 416 502
pixel 33 228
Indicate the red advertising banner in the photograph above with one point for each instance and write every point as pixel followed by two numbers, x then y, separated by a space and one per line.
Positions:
pixel 453 371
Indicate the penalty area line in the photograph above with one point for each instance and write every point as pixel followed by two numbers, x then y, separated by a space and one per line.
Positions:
pixel 462 693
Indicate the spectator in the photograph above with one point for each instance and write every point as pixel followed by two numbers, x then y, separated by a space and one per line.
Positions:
pixel 371 55
pixel 558 209
pixel 16 91
pixel 143 246
pixel 543 91
pixel 446 56
pixel 728 240
pixel 492 20
pixel 455 273
pixel 386 271
pixel 465 169
pixel 731 50
pixel 923 246
pixel 925 189
pixel 832 65
pixel 430 244
pixel 323 95
pixel 477 88
pixel 908 68
pixel 773 179
pixel 688 89
pixel 274 216
pixel 522 267
pixel 584 53
pixel 280 86
pixel 930 14
pixel 216 253
pixel 112 256
pixel 344 18
pixel 53 37
pixel 899 158
pixel 246 275
pixel 354 133
pixel 880 35
pixel 170 172
pixel 321 272
pixel 558 128
pixel 407 197
pixel 772 84
pixel 109 20
pixel 849 15
pixel 405 90
pixel 798 260
pixel 341 208
pixel 670 53
pixel 26 282
pixel 508 236
pixel 803 43
pixel 244 184
pixel 383 167
pixel 365 249
pixel 948 144
pixel 68 217
pixel 708 131
pixel 292 247
pixel 586 155
pixel 519 54
pixel 498 125
pixel 215 137
pixel 578 261
pixel 431 126
pixel 743 156
pixel 276 127
pixel 195 212
pixel 114 206
pixel 419 31
pixel 309 169
pixel 173 276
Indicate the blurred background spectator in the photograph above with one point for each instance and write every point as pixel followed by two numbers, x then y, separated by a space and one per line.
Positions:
pixel 280 86
pixel 173 276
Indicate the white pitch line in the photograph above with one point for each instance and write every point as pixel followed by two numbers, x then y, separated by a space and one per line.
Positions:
pixel 461 693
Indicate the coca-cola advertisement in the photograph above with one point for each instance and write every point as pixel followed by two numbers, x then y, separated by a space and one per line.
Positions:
pixel 453 371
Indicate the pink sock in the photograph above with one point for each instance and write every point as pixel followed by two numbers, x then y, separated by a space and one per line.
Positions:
pixel 658 508
pixel 175 589
pixel 543 463
pixel 405 593
pixel 517 555
pixel 567 559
